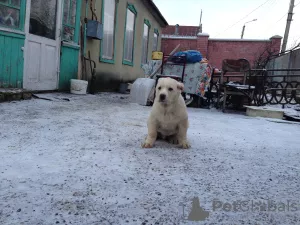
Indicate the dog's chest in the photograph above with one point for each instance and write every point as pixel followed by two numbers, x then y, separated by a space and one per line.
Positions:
pixel 168 124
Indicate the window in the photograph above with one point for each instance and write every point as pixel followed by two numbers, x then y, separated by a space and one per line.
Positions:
pixel 11 13
pixel 155 40
pixel 43 18
pixel 109 24
pixel 129 35
pixel 69 21
pixel 145 41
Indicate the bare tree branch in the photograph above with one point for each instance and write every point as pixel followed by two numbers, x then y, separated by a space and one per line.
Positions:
pixel 269 52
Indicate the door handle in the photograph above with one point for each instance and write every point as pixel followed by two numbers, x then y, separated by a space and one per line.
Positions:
pixel 22 48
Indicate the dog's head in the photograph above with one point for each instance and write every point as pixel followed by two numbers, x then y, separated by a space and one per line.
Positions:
pixel 168 90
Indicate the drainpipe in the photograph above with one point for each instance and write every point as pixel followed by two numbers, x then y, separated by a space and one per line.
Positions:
pixel 86 10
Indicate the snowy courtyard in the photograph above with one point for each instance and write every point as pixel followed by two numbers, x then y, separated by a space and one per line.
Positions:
pixel 78 160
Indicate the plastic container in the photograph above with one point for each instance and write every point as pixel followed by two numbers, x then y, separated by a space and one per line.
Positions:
pixel 94 30
pixel 157 55
pixel 141 89
pixel 78 87
pixel 192 56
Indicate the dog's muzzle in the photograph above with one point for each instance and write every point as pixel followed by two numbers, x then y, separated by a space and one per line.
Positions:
pixel 162 97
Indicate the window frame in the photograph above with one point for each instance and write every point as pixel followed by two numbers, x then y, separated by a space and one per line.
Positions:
pixel 22 10
pixel 147 23
pixel 102 59
pixel 76 27
pixel 157 33
pixel 131 8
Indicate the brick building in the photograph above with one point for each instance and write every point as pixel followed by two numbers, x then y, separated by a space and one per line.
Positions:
pixel 215 50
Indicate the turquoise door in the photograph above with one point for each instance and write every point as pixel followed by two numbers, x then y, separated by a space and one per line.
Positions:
pixel 12 39
pixel 70 45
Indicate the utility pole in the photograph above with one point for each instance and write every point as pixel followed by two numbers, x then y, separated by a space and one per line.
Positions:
pixel 288 25
pixel 243 31
pixel 200 24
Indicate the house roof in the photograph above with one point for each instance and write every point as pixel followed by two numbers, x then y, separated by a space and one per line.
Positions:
pixel 155 12
pixel 182 30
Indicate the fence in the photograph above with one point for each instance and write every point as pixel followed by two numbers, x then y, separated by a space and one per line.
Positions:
pixel 272 86
pixel 276 86
pixel 287 61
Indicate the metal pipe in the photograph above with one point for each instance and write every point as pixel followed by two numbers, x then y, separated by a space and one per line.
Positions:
pixel 85 17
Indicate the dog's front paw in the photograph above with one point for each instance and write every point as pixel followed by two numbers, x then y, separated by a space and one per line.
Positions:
pixel 147 145
pixel 185 145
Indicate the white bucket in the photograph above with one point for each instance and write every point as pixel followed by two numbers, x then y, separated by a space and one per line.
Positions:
pixel 78 87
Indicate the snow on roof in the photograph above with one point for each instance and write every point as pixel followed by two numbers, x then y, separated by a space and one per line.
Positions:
pixel 179 37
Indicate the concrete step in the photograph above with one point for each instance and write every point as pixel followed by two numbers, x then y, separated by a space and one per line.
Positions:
pixel 14 94
pixel 267 112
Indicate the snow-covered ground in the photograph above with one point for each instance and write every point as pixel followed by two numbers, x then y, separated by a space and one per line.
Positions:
pixel 80 162
pixel 289 110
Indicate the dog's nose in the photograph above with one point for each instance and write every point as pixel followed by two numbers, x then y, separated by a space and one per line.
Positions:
pixel 162 97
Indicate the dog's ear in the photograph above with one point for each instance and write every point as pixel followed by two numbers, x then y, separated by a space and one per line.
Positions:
pixel 180 86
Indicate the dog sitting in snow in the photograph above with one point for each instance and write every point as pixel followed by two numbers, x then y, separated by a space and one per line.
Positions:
pixel 168 118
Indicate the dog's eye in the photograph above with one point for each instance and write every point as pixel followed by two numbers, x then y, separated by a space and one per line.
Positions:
pixel 159 88
pixel 170 89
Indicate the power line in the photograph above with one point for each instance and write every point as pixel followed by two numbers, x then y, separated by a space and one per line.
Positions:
pixel 281 18
pixel 266 14
pixel 296 4
pixel 298 39
pixel 244 17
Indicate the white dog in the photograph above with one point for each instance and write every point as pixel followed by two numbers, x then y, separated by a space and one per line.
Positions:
pixel 168 118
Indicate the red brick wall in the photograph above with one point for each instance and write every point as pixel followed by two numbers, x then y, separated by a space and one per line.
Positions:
pixel 250 50
pixel 199 44
pixel 202 45
pixel 217 50
pixel 182 30
pixel 276 43
pixel 168 45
